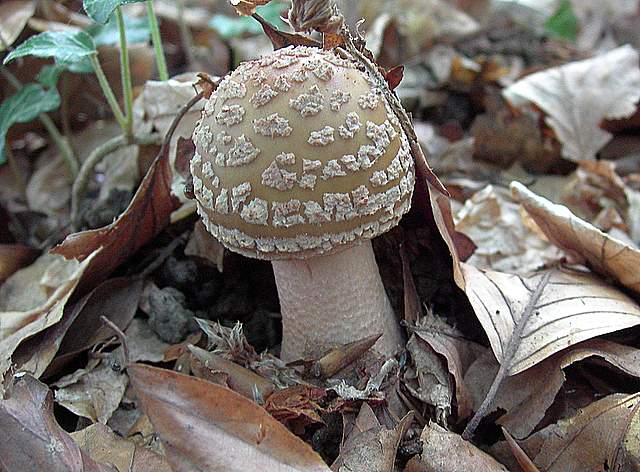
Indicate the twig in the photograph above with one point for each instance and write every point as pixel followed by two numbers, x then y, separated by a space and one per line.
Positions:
pixel 505 365
pixel 121 336
pixel 166 252
pixel 96 156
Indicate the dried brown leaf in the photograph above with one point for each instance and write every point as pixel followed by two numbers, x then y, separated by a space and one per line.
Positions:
pixel 522 458
pixel 585 243
pixel 370 447
pixel 19 326
pixel 573 306
pixel 32 440
pixel 583 442
pixel 247 7
pixel 206 364
pixel 525 397
pixel 577 96
pixel 445 451
pixel 207 427
pixel 103 445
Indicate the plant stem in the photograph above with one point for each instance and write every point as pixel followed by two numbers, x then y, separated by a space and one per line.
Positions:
pixel 108 93
pixel 125 74
pixel 61 142
pixel 96 156
pixel 163 74
pixel 17 172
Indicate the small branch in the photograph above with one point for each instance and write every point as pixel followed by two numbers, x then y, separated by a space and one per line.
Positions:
pixel 125 74
pixel 505 365
pixel 96 156
pixel 121 336
pixel 108 92
pixel 157 42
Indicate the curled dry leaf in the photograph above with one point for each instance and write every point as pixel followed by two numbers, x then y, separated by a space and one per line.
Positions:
pixel 585 243
pixel 525 397
pixel 572 306
pixel 506 237
pixel 444 451
pixel 370 447
pixel 93 393
pixel 103 445
pixel 585 441
pixel 297 406
pixel 458 352
pixel 247 7
pixel 18 326
pixel 207 427
pixel 208 365
pixel 80 327
pixel 32 440
pixel 577 96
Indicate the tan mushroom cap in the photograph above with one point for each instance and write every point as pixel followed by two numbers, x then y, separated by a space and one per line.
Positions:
pixel 298 154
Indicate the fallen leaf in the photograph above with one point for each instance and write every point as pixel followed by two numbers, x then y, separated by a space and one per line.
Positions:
pixel 18 326
pixel 32 440
pixel 370 447
pixel 445 451
pixel 207 427
pixel 572 306
pixel 297 406
pixel 525 397
pixel 626 455
pixel 247 7
pixel 585 243
pixel 94 393
pixel 238 378
pixel 80 327
pixel 14 257
pixel 14 15
pixel 144 343
pixel 577 96
pixel 147 214
pixel 104 446
pixel 585 441
pixel 506 237
pixel 458 352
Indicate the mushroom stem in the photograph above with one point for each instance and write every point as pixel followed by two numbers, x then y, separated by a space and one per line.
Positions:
pixel 332 300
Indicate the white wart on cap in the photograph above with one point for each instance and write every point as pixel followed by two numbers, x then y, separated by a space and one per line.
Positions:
pixel 298 154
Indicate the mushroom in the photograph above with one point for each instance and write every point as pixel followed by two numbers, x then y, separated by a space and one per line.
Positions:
pixel 300 160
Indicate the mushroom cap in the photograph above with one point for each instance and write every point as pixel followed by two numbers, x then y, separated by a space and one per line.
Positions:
pixel 299 154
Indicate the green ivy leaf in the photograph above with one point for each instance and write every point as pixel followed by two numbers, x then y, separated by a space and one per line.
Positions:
pixel 100 10
pixel 24 106
pixel 65 47
pixel 232 27
pixel 563 23
pixel 136 29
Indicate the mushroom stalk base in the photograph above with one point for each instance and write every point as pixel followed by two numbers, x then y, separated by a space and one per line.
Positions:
pixel 332 300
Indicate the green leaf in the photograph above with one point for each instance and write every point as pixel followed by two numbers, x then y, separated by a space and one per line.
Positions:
pixel 100 10
pixel 24 106
pixel 48 75
pixel 232 27
pixel 64 46
pixel 563 23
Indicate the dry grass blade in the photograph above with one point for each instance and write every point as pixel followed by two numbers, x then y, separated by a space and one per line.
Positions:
pixel 207 427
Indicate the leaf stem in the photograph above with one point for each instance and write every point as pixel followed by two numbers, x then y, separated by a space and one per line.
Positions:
pixel 163 73
pixel 125 74
pixel 509 353
pixel 108 92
